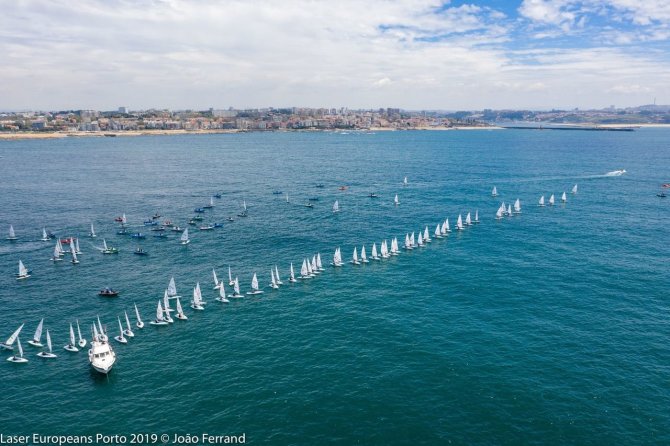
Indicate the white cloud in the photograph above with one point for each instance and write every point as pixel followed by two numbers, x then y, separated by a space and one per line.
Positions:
pixel 407 53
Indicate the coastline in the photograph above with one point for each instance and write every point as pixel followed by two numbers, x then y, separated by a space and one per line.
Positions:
pixel 13 136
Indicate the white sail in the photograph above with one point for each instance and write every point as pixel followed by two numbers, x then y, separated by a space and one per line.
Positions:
pixel 76 246
pixel 395 199
pixel 437 233
pixel 309 269
pixel 354 257
pixel 129 330
pixel 159 312
pixel 319 265
pixel 426 235
pixel 404 181
pixel 82 341
pixel 541 202
pixel 104 244
pixel 56 254
pixel 564 197
pixel 292 274
pixel 10 340
pixel 476 216
pixel 179 308
pixel 509 209
pixel 45 236
pixel 12 235
pixel 364 257
pixel 38 334
pixel 287 197
pixel 494 192
pixel 303 269
pixel 166 303
pixel 244 205
pixel 222 294
pixel 420 239
pixel 120 337
pixel 459 223
pixel 517 206
pixel 277 279
pixel 236 286
pixel 468 220
pixel 373 253
pixel 23 271
pixel 336 206
pixel 314 269
pixel 73 251
pixel 551 200
pixel 273 282
pixel 172 288
pixel 447 225
pixel 412 240
pixel 574 189
pixel 18 344
pixel 184 237
pixel 254 283
pixel 230 277
pixel 211 201
pixel 217 284
pixel 124 220
pixel 49 342
pixel 499 213
pixel 72 339
pixel 92 233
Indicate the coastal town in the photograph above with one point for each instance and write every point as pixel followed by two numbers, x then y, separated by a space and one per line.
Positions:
pixel 125 121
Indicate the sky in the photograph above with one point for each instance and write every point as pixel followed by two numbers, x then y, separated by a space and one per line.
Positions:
pixel 411 54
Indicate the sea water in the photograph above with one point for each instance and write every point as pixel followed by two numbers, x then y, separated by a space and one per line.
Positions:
pixel 547 327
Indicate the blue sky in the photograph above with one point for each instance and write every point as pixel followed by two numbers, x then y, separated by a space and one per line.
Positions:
pixel 411 54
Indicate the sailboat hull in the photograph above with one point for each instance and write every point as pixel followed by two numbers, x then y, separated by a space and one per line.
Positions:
pixel 82 343
pixel 35 343
pixel 47 355
pixel 128 333
pixel 120 340
pixel 71 348
pixel 158 323
pixel 17 360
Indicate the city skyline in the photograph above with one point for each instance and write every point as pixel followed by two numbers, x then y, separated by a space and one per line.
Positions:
pixel 420 55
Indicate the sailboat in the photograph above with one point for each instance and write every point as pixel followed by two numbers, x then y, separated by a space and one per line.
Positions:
pixel 408 245
pixel 336 206
pixel 564 198
pixel 426 235
pixel 172 289
pixel 310 273
pixel 437 233
pixel 139 323
pixel 244 212
pixel 254 286
pixel 76 246
pixel 56 255
pixel 45 236
pixel 420 240
pixel 287 197
pixel 476 216
pixel 337 258
pixel 12 236
pixel 82 341
pixel 19 359
pixel 120 338
pixel 292 275
pixel 128 331
pixel 364 257
pixel 319 265
pixel 404 182
pixel 574 189
pixel 71 347
pixel 36 341
pixel 180 311
pixel 8 344
pixel 221 298
pixel 23 272
pixel 383 250
pixel 494 192
pixel 304 272
pixel 61 251
pixel 468 220
pixel 446 224
pixel 509 210
pixel 236 289
pixel 73 251
pixel 231 282
pixel 459 223
pixel 373 254
pixel 499 213
pixel 394 247
pixel 354 257
pixel 184 237
pixel 541 202
pixel 92 233
pixel 551 200
pixel 273 282
pixel 395 200
pixel 48 353
pixel 159 316
pixel 166 308
pixel 278 280
pixel 517 206
pixel 108 249
pixel 217 284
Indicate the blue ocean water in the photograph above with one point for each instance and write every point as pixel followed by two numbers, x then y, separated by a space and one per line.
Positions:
pixel 546 328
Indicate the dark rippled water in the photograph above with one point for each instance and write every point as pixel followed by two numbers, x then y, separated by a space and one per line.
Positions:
pixel 547 328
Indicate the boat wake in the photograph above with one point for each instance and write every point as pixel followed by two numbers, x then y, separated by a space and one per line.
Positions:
pixel 615 173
